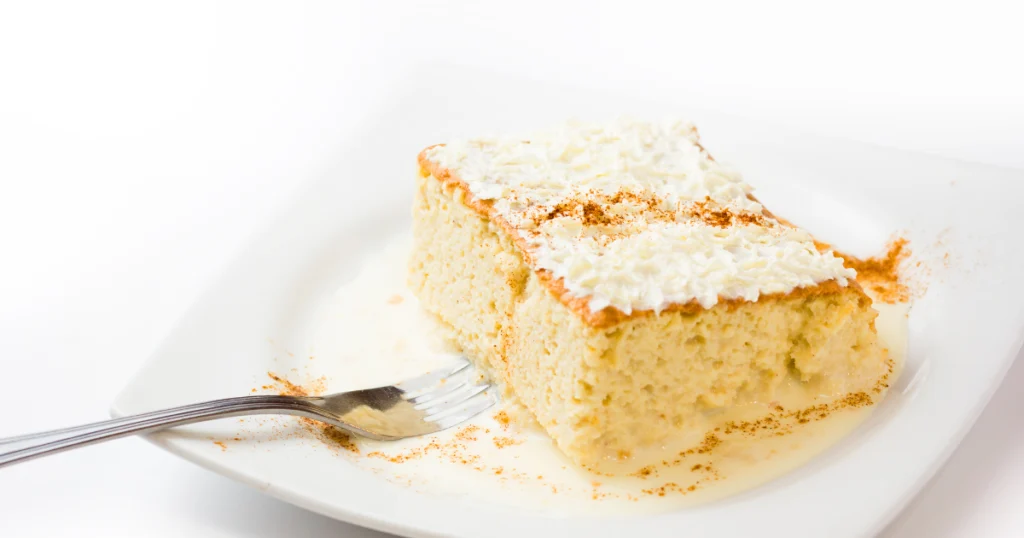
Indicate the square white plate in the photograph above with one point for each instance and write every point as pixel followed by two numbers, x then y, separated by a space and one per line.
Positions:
pixel 963 222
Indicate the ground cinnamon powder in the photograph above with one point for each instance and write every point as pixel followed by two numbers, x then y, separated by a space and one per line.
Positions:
pixel 881 275
pixel 330 435
pixel 503 419
pixel 719 216
pixel 587 210
pixel 502 442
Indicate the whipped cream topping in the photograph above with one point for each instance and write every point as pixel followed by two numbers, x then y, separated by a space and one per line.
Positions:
pixel 636 216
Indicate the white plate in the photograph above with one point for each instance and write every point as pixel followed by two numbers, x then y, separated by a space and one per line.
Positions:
pixel 962 220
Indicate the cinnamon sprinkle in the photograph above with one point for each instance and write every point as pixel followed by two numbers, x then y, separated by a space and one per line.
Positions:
pixel 503 419
pixel 881 274
pixel 713 214
pixel 454 450
pixel 644 472
pixel 468 433
pixel 587 211
pixel 330 435
pixel 502 442
pixel 288 388
pixel 594 208
pixel 597 209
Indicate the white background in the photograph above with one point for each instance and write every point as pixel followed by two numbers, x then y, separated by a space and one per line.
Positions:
pixel 141 145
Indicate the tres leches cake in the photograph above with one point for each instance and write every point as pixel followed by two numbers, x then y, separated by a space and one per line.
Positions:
pixel 623 286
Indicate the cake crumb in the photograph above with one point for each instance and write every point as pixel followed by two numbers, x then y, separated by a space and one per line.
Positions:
pixel 395 299
pixel 223 447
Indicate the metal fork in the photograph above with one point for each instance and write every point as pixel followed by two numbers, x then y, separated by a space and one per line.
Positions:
pixel 426 404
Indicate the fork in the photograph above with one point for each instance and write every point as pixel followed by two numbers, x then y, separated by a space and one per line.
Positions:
pixel 426 404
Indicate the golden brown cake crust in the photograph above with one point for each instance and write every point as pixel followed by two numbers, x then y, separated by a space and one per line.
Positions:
pixel 609 316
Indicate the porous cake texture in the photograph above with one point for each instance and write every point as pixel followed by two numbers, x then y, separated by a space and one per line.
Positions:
pixel 622 284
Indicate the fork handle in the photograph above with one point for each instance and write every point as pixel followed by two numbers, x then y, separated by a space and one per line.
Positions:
pixel 26 447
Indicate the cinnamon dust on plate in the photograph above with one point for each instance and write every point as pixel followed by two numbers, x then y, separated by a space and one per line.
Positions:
pixel 881 275
pixel 330 435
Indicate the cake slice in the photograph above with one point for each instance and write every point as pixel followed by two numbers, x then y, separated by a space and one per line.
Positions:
pixel 624 286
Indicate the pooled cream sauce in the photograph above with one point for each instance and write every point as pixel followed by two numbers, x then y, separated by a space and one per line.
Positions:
pixel 373 332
